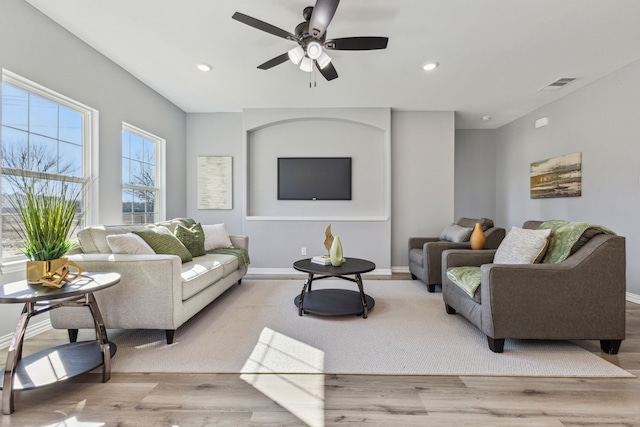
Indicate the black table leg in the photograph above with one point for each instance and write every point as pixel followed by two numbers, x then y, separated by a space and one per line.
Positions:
pixel 13 356
pixel 365 311
pixel 305 287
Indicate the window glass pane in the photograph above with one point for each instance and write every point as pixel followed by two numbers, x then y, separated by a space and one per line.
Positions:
pixel 148 176
pixel 15 107
pixel 70 125
pixel 127 201
pixel 43 154
pixel 43 117
pixel 126 145
pixel 137 147
pixel 126 166
pixel 14 148
pixel 70 156
pixel 139 201
pixel 149 151
pixel 136 172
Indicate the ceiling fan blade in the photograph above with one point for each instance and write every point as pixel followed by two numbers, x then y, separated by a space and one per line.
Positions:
pixel 321 16
pixel 329 72
pixel 357 43
pixel 275 61
pixel 263 26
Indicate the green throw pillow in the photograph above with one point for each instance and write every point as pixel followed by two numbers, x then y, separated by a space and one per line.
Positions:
pixel 163 242
pixel 192 238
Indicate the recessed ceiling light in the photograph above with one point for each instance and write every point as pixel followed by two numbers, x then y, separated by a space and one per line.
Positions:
pixel 485 118
pixel 431 65
pixel 204 67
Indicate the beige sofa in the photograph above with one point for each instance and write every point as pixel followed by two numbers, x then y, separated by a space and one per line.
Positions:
pixel 156 291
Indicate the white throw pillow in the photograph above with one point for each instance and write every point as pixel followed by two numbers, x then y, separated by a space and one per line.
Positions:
pixel 522 246
pixel 456 233
pixel 128 243
pixel 216 236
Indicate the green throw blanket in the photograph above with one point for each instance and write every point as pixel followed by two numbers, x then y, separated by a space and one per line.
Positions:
pixel 564 235
pixel 241 254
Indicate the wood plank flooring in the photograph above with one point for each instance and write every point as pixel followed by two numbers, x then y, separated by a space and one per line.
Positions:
pixel 319 400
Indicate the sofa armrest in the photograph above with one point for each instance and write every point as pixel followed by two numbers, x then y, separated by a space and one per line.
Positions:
pixel 494 237
pixel 466 258
pixel 418 242
pixel 240 242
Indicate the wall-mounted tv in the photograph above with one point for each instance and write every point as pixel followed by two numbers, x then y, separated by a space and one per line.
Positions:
pixel 314 178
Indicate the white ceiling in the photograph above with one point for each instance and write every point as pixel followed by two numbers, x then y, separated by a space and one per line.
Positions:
pixel 495 55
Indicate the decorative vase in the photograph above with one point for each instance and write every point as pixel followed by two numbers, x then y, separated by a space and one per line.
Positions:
pixel 36 270
pixel 477 238
pixel 335 252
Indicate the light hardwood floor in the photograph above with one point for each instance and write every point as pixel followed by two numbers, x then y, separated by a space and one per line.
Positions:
pixel 299 400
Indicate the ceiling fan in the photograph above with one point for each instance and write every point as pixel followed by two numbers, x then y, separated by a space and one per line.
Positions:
pixel 311 36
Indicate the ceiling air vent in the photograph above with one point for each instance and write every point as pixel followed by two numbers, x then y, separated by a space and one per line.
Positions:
pixel 559 84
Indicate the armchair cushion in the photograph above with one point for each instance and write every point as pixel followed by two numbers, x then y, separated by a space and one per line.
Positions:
pixel 522 246
pixel 456 233
pixel 466 278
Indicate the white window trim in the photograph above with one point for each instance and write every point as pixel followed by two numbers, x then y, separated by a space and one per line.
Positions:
pixel 161 180
pixel 90 133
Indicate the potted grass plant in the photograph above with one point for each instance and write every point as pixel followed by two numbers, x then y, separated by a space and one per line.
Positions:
pixel 46 212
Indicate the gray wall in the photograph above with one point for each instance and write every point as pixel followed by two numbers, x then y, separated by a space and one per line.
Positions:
pixel 475 172
pixel 36 48
pixel 422 181
pixel 601 121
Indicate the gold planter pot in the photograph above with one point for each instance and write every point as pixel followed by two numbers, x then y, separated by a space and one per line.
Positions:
pixel 37 270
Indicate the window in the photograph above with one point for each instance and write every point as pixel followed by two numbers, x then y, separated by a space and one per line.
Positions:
pixel 142 176
pixel 44 135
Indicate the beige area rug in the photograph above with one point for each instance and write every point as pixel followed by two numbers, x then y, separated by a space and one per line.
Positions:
pixel 255 328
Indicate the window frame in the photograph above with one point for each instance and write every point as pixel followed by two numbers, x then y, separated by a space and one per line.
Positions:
pixel 90 146
pixel 160 170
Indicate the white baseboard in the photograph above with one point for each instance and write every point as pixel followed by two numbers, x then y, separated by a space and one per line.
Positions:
pixel 400 269
pixel 633 298
pixel 32 330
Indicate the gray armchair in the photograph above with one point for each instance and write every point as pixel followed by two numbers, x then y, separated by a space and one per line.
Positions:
pixel 425 253
pixel 581 298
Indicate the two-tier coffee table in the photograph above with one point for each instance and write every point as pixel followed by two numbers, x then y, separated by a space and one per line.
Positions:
pixel 334 302
pixel 64 361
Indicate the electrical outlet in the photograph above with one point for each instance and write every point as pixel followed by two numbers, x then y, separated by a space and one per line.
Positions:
pixel 303 251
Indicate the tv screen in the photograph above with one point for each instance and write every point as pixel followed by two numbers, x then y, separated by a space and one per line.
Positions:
pixel 314 178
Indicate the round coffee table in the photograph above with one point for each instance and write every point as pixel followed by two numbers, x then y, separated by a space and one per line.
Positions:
pixel 334 302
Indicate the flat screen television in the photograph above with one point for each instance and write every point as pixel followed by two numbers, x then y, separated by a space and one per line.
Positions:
pixel 314 178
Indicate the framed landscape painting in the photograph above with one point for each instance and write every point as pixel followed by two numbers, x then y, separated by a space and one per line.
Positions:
pixel 557 177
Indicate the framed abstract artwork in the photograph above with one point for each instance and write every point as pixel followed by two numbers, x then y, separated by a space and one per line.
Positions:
pixel 214 182
pixel 557 177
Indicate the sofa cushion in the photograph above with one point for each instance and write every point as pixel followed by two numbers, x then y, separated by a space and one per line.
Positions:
pixel 93 239
pixel 163 242
pixel 456 233
pixel 128 243
pixel 522 246
pixel 466 278
pixel 416 256
pixel 192 238
pixel 199 274
pixel 216 236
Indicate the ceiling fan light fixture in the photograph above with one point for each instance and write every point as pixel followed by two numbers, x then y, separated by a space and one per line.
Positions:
pixel 306 64
pixel 296 54
pixel 314 50
pixel 324 60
